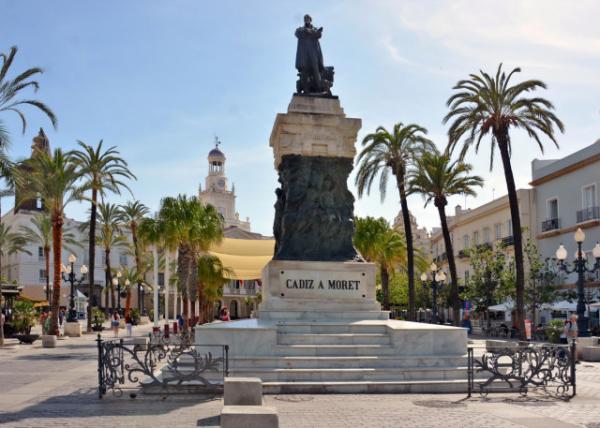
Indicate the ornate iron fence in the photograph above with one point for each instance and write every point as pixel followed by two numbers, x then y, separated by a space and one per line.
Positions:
pixel 549 369
pixel 156 361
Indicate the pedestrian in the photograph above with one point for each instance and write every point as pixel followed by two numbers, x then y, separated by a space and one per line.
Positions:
pixel 116 320
pixel 46 326
pixel 180 321
pixel 225 314
pixel 61 317
pixel 43 317
pixel 128 325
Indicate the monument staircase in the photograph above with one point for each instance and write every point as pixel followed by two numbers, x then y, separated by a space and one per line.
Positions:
pixel 337 357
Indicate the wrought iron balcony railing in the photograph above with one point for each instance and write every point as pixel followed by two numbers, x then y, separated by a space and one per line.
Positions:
pixel 508 240
pixel 551 224
pixel 586 214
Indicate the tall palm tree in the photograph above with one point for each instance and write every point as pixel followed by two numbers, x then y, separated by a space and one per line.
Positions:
pixel 10 243
pixel 110 236
pixel 53 178
pixel 384 152
pixel 103 171
pixel 195 227
pixel 131 214
pixel 489 105
pixel 10 91
pixel 437 178
pixel 150 231
pixel 40 232
pixel 212 275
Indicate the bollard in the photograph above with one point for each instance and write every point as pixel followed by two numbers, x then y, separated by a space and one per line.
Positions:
pixel 166 331
pixel 175 327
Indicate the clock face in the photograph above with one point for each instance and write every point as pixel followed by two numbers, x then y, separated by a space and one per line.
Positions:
pixel 221 183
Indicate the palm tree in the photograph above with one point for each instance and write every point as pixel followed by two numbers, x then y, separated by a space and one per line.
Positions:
pixel 384 152
pixel 103 171
pixel 40 232
pixel 131 214
pixel 10 243
pixel 212 275
pixel 10 90
pixel 53 178
pixel 437 178
pixel 195 227
pixel 110 236
pixel 485 105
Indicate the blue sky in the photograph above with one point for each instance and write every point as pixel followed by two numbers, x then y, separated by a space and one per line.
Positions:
pixel 160 79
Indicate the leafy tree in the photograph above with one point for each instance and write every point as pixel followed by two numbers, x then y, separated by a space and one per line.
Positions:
pixel 40 232
pixel 491 278
pixel 396 151
pixel 487 105
pixel 212 276
pixel 102 171
pixel 436 178
pixel 53 178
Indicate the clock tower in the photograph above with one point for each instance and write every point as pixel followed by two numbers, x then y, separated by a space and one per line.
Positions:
pixel 216 189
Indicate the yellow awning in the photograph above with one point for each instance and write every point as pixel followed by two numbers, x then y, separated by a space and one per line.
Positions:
pixel 245 257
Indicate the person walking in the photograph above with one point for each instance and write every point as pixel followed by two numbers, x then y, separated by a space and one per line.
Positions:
pixel 116 320
pixel 129 325
pixel 225 314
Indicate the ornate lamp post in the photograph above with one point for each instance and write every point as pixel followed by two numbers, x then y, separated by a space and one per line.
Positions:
pixel 116 281
pixel 437 278
pixel 580 267
pixel 70 277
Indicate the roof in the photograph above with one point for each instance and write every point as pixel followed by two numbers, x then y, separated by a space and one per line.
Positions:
pixel 546 170
pixel 216 153
pixel 245 257
pixel 238 233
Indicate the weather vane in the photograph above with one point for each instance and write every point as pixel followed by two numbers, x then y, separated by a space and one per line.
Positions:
pixel 217 142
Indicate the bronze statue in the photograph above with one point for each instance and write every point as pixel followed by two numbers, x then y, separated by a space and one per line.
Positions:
pixel 314 77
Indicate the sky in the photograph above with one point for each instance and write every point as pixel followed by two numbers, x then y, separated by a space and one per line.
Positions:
pixel 159 79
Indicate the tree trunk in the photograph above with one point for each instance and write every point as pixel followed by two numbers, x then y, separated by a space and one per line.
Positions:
pixel 108 274
pixel 441 206
pixel 183 279
pixel 136 252
pixel 409 245
pixel 128 302
pixel 502 139
pixel 385 287
pixel 47 266
pixel 92 257
pixel 57 226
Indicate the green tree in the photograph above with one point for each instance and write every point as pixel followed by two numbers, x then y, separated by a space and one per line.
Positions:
pixel 10 101
pixel 487 105
pixel 396 151
pixel 436 178
pixel 40 232
pixel 491 278
pixel 212 275
pixel 195 227
pixel 132 214
pixel 53 178
pixel 102 171
pixel 542 280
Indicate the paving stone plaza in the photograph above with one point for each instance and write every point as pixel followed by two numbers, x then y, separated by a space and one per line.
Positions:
pixel 58 387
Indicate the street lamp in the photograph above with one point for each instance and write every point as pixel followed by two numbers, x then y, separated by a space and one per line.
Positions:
pixel 437 278
pixel 70 277
pixel 580 268
pixel 117 283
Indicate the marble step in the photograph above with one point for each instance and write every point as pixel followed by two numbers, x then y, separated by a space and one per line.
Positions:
pixel 325 315
pixel 347 374
pixel 331 328
pixel 334 350
pixel 367 387
pixel 346 362
pixel 333 338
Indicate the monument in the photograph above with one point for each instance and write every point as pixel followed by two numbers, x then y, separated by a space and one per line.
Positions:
pixel 319 327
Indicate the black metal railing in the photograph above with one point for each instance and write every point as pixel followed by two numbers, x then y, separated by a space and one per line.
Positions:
pixel 484 246
pixel 160 361
pixel 508 240
pixel 441 258
pixel 463 254
pixel 548 369
pixel 586 214
pixel 551 224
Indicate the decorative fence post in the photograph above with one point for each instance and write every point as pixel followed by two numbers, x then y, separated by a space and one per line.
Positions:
pixel 101 389
pixel 573 361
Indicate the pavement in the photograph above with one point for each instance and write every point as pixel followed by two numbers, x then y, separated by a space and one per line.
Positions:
pixel 58 387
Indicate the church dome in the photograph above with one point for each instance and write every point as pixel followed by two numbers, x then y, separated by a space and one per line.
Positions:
pixel 216 154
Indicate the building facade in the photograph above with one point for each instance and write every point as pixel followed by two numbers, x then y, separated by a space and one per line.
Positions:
pixel 421 237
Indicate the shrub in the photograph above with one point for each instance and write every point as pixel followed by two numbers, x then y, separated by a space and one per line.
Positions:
pixel 24 317
pixel 554 329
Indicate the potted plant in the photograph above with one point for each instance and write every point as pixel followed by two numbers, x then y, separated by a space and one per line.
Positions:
pixel 97 319
pixel 135 316
pixel 24 316
pixel 554 329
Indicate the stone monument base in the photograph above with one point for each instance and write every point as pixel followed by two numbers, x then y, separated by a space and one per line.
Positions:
pixel 73 329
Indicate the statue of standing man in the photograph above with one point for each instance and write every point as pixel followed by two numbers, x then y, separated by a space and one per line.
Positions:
pixel 314 77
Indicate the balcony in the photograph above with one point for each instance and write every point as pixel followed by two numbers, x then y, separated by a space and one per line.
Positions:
pixel 587 214
pixel 507 241
pixel 242 291
pixel 463 254
pixel 551 224
pixel 441 258
pixel 484 246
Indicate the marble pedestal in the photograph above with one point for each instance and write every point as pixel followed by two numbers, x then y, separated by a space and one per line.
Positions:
pixel 73 329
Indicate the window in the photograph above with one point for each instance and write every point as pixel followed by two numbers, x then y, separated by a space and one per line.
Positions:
pixel 466 242
pixel 41 254
pixel 509 227
pixel 161 278
pixel 498 231
pixel 589 196
pixel 466 276
pixel 123 259
pixel 552 209
pixel 486 235
pixel 476 237
pixel 43 275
